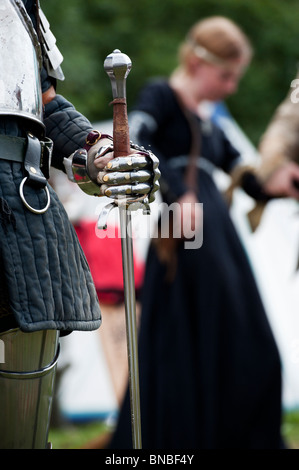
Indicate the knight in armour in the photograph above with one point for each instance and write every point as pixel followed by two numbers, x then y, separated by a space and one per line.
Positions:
pixel 46 287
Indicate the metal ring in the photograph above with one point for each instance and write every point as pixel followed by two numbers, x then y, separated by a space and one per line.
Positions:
pixel 35 211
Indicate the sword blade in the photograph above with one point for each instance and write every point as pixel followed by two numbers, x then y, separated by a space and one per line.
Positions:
pixel 131 324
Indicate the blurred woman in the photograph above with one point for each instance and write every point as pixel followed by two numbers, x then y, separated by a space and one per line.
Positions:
pixel 210 372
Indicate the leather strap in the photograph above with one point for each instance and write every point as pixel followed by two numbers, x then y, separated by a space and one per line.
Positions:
pixel 191 173
pixel 93 138
pixel 32 162
pixel 12 148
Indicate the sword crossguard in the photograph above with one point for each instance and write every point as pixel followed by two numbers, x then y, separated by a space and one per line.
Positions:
pixel 133 205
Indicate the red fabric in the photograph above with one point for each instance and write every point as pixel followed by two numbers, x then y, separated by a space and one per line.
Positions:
pixel 105 260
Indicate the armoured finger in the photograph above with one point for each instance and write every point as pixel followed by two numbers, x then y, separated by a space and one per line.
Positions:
pixel 155 160
pixel 102 189
pixel 131 162
pixel 98 157
pixel 117 178
pixel 141 188
pixel 153 191
pixel 155 185
pixel 157 174
pixel 127 190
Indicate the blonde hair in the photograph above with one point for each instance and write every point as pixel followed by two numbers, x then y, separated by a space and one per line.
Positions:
pixel 217 40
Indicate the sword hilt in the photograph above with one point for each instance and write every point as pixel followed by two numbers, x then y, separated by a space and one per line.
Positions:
pixel 118 65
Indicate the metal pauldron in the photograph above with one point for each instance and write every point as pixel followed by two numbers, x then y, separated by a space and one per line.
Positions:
pixel 21 61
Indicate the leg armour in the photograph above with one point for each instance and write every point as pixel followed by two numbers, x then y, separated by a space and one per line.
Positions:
pixel 27 371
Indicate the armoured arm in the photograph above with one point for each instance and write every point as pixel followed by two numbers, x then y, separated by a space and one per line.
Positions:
pixel 90 163
pixel 98 173
pixel 66 127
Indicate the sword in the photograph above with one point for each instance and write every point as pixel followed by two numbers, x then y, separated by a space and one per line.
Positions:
pixel 118 65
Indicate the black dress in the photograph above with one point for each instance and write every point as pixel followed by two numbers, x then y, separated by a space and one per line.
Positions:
pixel 209 367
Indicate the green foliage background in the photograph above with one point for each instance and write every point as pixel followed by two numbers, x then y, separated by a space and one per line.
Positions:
pixel 150 31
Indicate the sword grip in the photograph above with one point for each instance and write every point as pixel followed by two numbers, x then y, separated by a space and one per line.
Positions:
pixel 121 139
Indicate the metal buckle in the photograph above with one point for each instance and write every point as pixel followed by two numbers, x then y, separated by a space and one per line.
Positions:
pixel 32 209
pixel 93 137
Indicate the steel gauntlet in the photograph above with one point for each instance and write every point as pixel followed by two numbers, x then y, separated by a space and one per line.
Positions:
pixel 135 176
pixel 98 174
pixel 76 165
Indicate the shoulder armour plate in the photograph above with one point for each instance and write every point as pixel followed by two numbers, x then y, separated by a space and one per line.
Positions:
pixel 20 63
pixel 52 56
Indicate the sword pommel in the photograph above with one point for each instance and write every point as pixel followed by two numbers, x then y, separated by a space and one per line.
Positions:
pixel 118 66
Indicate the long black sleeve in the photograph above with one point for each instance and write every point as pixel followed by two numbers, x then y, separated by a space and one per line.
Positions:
pixel 147 123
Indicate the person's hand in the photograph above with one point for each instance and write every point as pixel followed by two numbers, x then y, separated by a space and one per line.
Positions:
pixel 284 181
pixel 98 173
pixel 135 175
